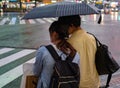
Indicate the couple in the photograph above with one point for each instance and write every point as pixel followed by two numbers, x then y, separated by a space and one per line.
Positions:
pixel 69 39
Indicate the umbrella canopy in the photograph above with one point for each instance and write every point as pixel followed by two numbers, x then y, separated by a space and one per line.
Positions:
pixel 61 9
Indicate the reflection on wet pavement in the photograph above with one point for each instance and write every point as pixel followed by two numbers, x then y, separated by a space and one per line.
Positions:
pixel 34 35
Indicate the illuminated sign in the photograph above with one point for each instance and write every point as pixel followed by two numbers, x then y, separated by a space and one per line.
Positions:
pixel 13 0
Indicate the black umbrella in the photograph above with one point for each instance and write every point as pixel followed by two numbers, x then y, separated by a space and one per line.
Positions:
pixel 61 9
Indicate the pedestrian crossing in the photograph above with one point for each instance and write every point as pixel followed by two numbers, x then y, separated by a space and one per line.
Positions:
pixel 11 65
pixel 17 20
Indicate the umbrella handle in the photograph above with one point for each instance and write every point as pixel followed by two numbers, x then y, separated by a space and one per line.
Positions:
pixel 100 19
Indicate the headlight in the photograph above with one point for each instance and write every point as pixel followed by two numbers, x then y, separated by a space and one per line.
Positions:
pixel 112 9
pixel 116 9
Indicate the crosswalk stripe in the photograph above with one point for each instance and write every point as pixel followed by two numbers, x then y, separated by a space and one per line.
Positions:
pixel 3 21
pixel 22 22
pixel 13 21
pixel 9 53
pixel 54 19
pixel 40 21
pixel 48 20
pixel 31 61
pixel 12 74
pixel 32 22
pixel 15 56
pixel 16 63
pixel 14 84
pixel 5 50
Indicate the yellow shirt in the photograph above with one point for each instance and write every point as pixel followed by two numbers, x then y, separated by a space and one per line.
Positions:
pixel 86 47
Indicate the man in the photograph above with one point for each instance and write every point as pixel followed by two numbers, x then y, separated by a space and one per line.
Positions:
pixel 43 66
pixel 85 45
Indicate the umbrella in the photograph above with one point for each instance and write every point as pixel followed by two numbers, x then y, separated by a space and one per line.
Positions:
pixel 61 9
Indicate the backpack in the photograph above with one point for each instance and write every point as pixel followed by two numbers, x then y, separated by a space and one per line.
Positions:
pixel 66 74
pixel 105 63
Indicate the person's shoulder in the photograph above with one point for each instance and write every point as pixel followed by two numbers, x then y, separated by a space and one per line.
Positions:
pixel 42 49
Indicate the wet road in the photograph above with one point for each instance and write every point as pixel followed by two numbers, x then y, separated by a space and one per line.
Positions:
pixel 33 34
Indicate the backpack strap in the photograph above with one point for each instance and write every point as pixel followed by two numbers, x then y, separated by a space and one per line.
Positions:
pixel 108 80
pixel 98 43
pixel 110 74
pixel 53 52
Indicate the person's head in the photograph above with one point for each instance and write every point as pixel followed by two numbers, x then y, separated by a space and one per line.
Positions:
pixel 57 32
pixel 72 22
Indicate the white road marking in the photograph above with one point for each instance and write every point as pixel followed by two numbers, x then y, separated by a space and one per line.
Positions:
pixel 12 74
pixel 48 20
pixel 3 21
pixel 13 21
pixel 41 21
pixel 6 60
pixel 22 22
pixel 4 50
pixel 32 22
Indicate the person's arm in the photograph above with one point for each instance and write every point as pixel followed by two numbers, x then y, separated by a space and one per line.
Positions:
pixel 66 48
pixel 37 68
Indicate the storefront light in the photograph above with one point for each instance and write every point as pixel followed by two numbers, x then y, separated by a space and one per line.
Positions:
pixel 53 1
pixel 33 1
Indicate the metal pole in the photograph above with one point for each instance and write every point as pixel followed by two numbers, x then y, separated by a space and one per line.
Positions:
pixel 20 3
pixel 35 3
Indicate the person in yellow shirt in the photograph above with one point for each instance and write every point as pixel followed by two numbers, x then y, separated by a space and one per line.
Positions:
pixel 85 45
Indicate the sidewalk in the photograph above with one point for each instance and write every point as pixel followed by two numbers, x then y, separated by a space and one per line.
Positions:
pixel 115 80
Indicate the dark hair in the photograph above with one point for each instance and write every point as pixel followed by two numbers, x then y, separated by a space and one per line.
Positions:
pixel 70 20
pixel 60 29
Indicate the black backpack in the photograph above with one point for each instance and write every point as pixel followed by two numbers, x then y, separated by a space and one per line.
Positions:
pixel 66 73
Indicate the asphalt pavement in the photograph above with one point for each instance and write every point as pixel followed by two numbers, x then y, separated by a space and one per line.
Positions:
pixel 23 39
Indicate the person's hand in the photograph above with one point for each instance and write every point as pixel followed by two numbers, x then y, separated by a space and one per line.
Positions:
pixel 66 48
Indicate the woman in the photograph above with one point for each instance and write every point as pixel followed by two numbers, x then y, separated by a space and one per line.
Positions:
pixel 43 66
